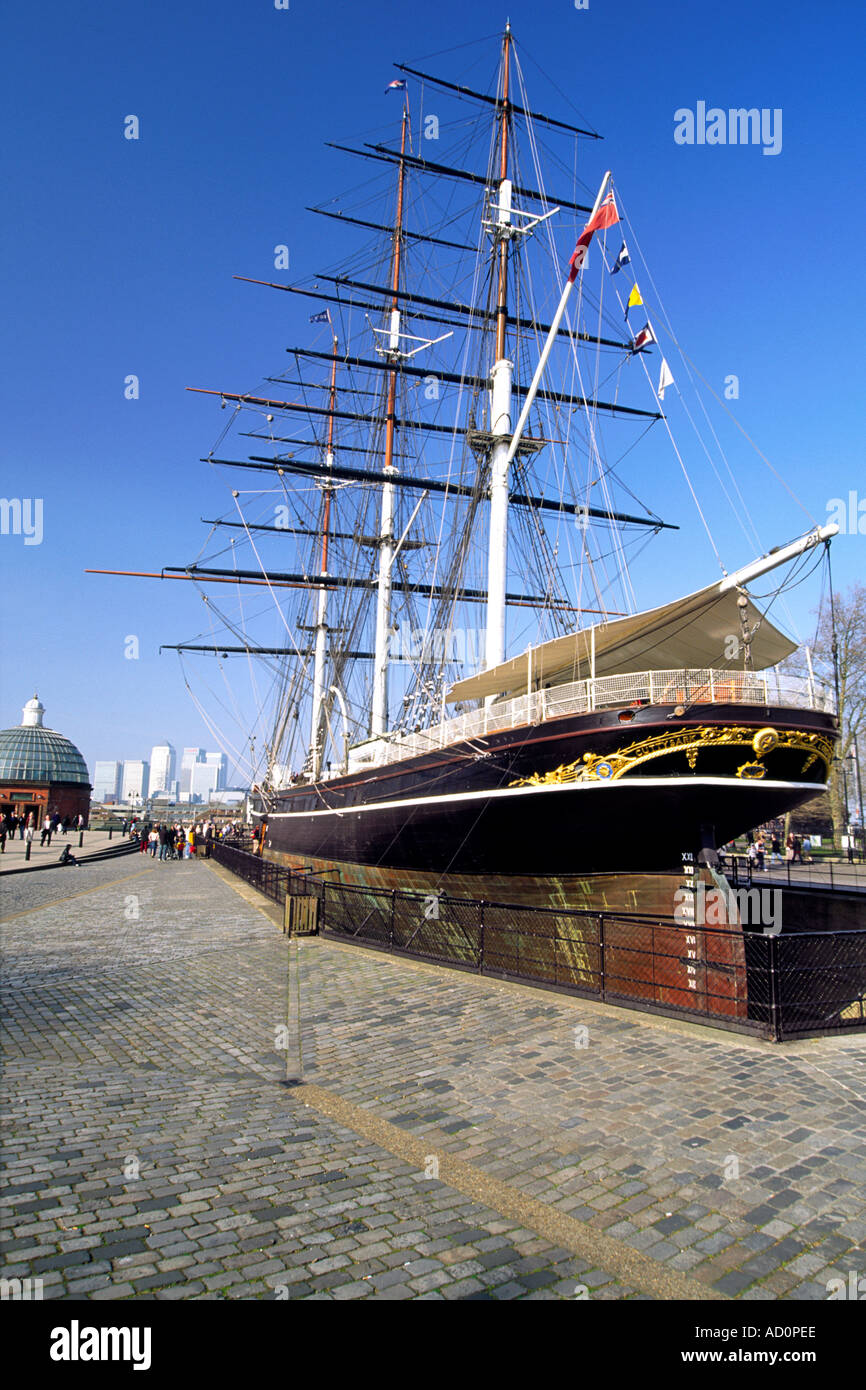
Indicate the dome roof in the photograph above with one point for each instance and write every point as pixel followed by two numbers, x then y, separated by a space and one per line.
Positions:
pixel 30 753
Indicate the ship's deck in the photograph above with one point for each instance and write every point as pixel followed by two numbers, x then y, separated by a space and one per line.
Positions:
pixel 689 687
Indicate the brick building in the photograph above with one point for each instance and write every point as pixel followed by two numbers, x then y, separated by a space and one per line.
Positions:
pixel 40 770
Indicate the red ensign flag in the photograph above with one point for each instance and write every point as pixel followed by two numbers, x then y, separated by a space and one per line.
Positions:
pixel 606 216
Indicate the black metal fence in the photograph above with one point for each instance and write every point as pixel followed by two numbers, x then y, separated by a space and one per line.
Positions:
pixel 774 986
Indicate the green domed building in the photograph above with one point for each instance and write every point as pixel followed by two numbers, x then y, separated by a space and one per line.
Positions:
pixel 41 771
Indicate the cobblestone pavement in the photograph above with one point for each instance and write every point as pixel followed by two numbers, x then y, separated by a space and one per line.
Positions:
pixel 152 1149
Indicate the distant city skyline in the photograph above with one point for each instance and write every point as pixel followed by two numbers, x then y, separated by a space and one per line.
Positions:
pixel 203 774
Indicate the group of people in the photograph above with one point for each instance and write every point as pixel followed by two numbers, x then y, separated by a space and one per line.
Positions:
pixel 798 850
pixel 176 841
pixel 26 827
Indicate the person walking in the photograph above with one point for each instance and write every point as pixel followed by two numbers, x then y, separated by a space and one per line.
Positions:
pixel 46 830
pixel 3 832
pixel 208 840
pixel 29 832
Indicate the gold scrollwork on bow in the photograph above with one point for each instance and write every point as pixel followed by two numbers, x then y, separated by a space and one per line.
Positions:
pixel 609 767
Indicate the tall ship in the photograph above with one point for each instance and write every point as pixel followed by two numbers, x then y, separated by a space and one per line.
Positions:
pixel 436 515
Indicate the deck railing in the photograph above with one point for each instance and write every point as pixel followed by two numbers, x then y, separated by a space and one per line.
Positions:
pixel 691 687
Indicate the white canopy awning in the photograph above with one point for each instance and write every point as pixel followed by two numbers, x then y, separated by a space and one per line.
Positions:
pixel 691 632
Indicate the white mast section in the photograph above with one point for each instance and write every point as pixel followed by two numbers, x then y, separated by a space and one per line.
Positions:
pixel 551 339
pixel 379 712
pixel 379 723
pixel 500 428
pixel 318 684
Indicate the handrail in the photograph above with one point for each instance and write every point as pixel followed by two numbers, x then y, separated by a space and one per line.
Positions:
pixel 688 687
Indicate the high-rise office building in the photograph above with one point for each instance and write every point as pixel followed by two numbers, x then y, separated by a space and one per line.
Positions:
pixel 135 779
pixel 203 781
pixel 106 781
pixel 219 761
pixel 162 760
pixel 190 757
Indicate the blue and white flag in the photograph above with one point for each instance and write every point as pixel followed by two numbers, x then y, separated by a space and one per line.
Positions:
pixel 644 338
pixel 398 85
pixel 323 317
pixel 622 259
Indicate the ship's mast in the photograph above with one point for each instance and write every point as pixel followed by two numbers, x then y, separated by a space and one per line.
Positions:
pixel 321 616
pixel 379 720
pixel 500 399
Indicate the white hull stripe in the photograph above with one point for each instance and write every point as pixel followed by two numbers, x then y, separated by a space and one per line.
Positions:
pixel 649 783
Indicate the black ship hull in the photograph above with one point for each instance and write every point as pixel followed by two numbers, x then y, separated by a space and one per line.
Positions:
pixel 629 789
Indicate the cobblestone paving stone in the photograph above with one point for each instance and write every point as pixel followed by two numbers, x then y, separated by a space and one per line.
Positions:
pixel 151 1150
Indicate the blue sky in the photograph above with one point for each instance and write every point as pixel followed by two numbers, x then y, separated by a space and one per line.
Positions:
pixel 118 257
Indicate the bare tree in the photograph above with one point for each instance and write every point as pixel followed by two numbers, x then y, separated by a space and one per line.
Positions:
pixel 850 638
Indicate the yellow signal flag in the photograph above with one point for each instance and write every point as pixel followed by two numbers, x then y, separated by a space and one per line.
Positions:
pixel 633 299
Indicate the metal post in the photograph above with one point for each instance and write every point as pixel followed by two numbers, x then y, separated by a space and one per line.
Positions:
pixel 80 838
pixel 27 849
pixel 481 937
pixel 601 961
pixel 775 1001
pixel 391 924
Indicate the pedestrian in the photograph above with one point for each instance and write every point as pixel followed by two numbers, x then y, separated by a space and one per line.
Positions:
pixel 807 849
pixel 152 843
pixel 65 824
pixel 208 841
pixel 3 833
pixel 46 831
pixel 81 821
pixel 67 857
pixel 29 832
pixel 776 850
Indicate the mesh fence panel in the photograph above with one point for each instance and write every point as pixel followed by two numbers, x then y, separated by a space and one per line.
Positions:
pixel 438 928
pixel 556 948
pixel 815 975
pixel 360 913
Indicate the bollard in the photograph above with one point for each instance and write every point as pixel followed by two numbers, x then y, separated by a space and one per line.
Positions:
pixel 80 838
pixel 110 833
pixel 27 850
